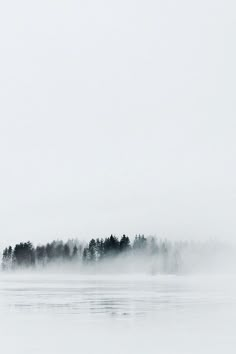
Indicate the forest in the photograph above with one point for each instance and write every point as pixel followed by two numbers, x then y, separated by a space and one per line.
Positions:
pixel 160 255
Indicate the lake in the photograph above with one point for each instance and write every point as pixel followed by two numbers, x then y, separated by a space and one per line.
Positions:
pixel 70 313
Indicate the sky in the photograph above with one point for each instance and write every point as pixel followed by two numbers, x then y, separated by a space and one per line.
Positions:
pixel 117 117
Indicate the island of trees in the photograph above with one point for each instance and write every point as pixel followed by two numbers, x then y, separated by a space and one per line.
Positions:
pixel 159 255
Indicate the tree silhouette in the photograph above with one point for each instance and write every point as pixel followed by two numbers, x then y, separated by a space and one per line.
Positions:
pixel 111 246
pixel 66 252
pixel 7 258
pixel 92 250
pixel 24 254
pixel 75 252
pixel 124 244
pixel 140 243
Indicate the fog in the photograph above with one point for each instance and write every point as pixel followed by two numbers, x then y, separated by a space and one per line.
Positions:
pixel 113 255
pixel 117 117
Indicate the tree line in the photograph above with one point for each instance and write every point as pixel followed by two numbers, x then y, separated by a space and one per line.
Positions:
pixel 155 254
pixel 24 254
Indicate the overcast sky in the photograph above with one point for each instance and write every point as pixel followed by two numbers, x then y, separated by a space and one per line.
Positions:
pixel 117 117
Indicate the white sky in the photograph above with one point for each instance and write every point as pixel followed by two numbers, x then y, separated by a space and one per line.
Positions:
pixel 117 117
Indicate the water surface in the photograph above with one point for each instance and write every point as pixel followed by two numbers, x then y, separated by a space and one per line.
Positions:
pixel 68 313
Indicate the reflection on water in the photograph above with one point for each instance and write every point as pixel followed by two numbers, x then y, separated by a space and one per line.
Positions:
pixel 112 296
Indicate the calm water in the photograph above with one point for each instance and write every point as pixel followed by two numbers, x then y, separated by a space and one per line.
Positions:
pixel 117 314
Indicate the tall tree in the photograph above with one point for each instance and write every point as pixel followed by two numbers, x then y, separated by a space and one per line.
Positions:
pixel 124 243
pixel 66 252
pixel 92 250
